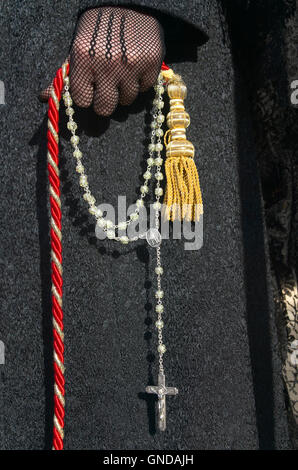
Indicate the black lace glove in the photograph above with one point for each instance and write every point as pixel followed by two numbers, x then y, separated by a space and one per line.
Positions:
pixel 116 53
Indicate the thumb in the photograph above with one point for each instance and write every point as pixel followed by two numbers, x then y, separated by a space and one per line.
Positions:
pixel 45 94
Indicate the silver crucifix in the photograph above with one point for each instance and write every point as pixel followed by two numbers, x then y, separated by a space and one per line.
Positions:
pixel 161 390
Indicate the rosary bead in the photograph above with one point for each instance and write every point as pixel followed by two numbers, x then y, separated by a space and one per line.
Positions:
pixel 101 223
pixel 158 191
pixel 153 125
pixel 147 175
pixel 77 153
pixel 109 223
pixel 159 324
pixel 160 104
pixel 124 240
pixel 110 234
pixel 150 161
pixel 89 198
pixel 69 111
pixel 144 189
pixel 134 216
pixel 83 181
pixel 95 211
pixel 159 270
pixel 140 203
pixel 158 147
pixel 160 89
pixel 79 168
pixel 74 140
pixel 151 147
pixel 122 226
pixel 160 118
pixel 68 101
pixel 159 294
pixel 159 132
pixel 159 176
pixel 157 206
pixel 161 349
pixel 71 126
pixel 159 308
pixel 158 161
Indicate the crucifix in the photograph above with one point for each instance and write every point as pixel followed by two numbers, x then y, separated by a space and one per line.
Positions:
pixel 161 390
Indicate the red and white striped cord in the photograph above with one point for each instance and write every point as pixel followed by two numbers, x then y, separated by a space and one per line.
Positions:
pixel 56 256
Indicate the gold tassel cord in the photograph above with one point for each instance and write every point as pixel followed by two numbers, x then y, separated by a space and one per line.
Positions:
pixel 183 198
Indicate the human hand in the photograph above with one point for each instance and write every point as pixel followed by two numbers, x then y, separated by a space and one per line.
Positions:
pixel 116 53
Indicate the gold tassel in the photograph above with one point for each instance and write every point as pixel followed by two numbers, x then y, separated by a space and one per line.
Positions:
pixel 183 198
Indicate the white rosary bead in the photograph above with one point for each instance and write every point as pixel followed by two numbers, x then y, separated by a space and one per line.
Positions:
pixel 67 101
pixel 160 118
pixel 153 125
pixel 77 153
pixel 144 189
pixel 159 176
pixel 159 324
pixel 159 132
pixel 89 198
pixel 157 206
pixel 124 240
pixel 74 140
pixel 147 175
pixel 79 168
pixel 161 349
pixel 159 308
pixel 150 161
pixel 72 126
pixel 159 294
pixel 83 181
pixel 158 161
pixel 95 211
pixel 134 216
pixel 69 111
pixel 158 147
pixel 109 223
pixel 140 203
pixel 151 147
pixel 111 234
pixel 160 104
pixel 158 191
pixel 122 226
pixel 101 223
pixel 159 270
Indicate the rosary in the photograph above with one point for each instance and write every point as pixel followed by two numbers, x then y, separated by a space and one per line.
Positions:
pixel 182 200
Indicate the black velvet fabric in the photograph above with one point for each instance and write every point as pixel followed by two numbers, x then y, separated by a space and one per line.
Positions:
pixel 220 332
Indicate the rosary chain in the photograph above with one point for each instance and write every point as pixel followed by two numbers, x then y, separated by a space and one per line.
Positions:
pixel 155 147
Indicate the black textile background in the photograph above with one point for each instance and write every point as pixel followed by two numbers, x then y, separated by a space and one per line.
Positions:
pixel 223 351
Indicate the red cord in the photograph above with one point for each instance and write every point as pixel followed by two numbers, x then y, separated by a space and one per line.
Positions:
pixel 56 265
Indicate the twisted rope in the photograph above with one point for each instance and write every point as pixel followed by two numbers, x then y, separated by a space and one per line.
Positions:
pixel 56 256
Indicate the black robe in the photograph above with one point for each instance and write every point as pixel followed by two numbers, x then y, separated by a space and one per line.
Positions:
pixel 222 350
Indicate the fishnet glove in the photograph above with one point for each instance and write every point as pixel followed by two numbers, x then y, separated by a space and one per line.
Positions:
pixel 116 53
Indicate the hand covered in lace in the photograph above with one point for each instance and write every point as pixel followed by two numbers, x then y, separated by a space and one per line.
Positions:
pixel 116 53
